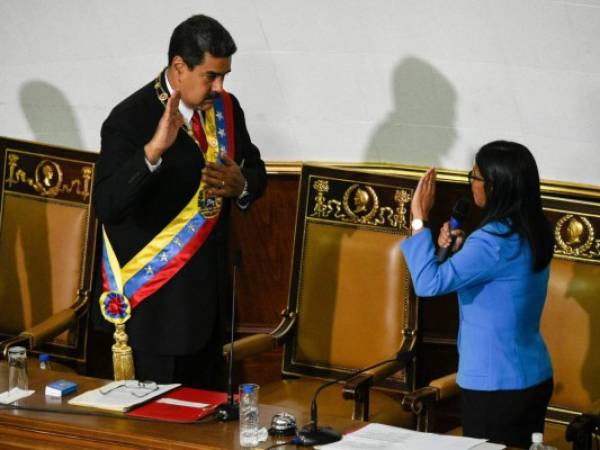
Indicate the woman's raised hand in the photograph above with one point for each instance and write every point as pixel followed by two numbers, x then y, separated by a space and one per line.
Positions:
pixel 424 196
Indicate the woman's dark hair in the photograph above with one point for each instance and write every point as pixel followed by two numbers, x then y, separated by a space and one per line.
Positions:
pixel 197 35
pixel 512 190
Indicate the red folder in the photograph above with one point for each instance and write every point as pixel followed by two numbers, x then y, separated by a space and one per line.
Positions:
pixel 161 409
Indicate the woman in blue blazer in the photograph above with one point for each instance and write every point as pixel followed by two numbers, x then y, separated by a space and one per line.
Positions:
pixel 501 277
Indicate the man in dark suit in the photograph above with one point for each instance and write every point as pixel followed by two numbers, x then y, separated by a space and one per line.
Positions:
pixel 165 205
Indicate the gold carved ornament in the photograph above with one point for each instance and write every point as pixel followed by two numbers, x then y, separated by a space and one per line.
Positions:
pixel 48 178
pixel 575 236
pixel 360 204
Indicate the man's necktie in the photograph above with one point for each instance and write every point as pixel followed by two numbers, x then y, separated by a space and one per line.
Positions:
pixel 199 131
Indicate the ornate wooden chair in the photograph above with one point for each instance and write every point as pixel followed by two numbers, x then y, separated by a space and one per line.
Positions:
pixel 570 318
pixel 47 244
pixel 350 302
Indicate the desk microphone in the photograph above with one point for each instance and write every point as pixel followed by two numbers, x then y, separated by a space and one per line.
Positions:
pixel 312 434
pixel 230 410
pixel 459 214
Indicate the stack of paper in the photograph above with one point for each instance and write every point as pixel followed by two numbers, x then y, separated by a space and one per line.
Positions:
pixel 376 436
pixel 116 396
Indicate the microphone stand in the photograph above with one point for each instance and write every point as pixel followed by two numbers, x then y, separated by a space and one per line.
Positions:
pixel 312 434
pixel 230 410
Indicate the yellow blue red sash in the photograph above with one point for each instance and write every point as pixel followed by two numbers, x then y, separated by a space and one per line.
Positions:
pixel 172 248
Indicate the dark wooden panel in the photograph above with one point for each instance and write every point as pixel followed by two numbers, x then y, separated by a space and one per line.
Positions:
pixel 262 369
pixel 265 234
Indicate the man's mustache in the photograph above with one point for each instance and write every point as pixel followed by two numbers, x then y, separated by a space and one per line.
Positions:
pixel 212 96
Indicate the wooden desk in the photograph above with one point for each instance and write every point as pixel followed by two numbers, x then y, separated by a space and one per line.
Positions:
pixel 22 429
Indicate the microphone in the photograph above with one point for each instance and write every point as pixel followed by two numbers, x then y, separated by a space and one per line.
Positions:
pixel 459 214
pixel 312 434
pixel 230 410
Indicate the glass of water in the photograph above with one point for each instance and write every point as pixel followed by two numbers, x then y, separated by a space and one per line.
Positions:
pixel 17 368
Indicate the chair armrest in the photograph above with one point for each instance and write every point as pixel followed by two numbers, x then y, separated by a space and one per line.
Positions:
pixel 446 386
pixel 261 342
pixel 356 385
pixel 52 326
pixel 43 331
pixel 438 389
pixel 251 346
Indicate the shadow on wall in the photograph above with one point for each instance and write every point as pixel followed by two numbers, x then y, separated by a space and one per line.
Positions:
pixel 50 116
pixel 420 130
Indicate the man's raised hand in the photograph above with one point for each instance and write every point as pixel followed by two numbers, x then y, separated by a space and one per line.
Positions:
pixel 166 130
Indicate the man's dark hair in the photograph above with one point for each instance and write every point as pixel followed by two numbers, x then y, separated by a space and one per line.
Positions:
pixel 512 190
pixel 197 35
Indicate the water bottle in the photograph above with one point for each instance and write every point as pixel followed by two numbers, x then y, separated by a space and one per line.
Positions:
pixel 44 361
pixel 537 442
pixel 249 415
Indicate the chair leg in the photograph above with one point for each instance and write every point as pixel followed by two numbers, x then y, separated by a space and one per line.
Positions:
pixel 361 405
pixel 425 420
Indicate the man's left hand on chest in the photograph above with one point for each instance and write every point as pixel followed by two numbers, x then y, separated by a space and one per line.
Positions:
pixel 224 180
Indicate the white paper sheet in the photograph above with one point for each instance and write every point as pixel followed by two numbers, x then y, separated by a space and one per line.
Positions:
pixel 376 436
pixel 13 395
pixel 174 401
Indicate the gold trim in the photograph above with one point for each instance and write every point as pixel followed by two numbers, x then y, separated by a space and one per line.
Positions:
pixel 415 171
pixel 569 203
pixel 363 194
pixel 283 168
pixel 564 249
pixel 577 226
pixel 48 178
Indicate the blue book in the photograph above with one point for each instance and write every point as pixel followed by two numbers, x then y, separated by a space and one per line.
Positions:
pixel 60 388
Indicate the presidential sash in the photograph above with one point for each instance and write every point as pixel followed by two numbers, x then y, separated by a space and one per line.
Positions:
pixel 155 264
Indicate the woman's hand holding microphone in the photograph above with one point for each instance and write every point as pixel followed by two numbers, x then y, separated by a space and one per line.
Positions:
pixel 422 202
pixel 445 239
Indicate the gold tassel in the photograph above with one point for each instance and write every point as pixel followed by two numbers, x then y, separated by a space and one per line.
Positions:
pixel 122 355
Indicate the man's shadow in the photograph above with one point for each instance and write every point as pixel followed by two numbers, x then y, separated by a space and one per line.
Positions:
pixel 420 130
pixel 49 114
pixel 27 273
